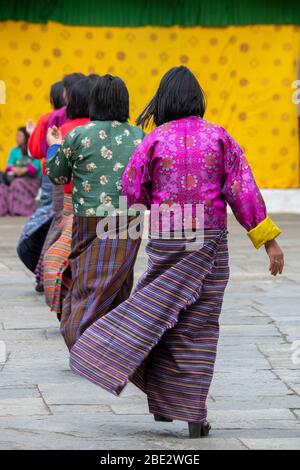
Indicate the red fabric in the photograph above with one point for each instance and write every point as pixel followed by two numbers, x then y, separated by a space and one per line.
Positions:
pixel 70 125
pixel 65 129
pixel 35 141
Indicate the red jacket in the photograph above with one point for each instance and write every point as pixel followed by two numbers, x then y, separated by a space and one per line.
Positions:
pixel 35 141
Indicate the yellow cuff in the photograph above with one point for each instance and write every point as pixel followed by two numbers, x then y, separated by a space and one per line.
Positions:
pixel 264 232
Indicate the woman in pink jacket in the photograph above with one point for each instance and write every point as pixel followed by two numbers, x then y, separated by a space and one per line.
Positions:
pixel 164 337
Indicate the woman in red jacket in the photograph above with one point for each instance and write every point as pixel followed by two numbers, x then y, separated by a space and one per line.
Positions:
pixel 57 118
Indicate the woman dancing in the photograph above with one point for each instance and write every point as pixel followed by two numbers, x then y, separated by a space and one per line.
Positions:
pixel 164 337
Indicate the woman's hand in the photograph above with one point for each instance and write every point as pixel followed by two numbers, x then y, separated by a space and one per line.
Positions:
pixel 30 126
pixel 54 136
pixel 276 256
pixel 19 171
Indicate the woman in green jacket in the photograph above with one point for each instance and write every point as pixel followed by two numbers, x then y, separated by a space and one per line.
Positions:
pixel 99 275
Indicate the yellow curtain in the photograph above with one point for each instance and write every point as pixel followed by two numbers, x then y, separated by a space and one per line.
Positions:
pixel 246 71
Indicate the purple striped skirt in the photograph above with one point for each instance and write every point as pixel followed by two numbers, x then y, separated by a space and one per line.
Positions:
pixel 164 337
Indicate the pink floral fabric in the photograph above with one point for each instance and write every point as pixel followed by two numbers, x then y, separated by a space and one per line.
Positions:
pixel 193 161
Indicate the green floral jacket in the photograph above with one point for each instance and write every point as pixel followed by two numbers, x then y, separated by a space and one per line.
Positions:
pixel 94 156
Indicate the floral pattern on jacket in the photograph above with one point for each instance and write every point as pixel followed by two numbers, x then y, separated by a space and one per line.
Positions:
pixel 94 156
pixel 193 161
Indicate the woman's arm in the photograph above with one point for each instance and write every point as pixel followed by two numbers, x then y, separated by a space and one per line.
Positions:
pixel 34 168
pixel 244 197
pixel 136 180
pixel 12 158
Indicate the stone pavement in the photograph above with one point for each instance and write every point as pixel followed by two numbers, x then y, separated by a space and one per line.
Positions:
pixel 255 396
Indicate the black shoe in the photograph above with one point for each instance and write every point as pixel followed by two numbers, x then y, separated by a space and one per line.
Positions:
pixel 162 418
pixel 39 288
pixel 197 430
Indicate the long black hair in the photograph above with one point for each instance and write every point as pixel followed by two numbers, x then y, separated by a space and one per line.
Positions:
pixel 109 100
pixel 179 95
pixel 78 102
pixel 57 95
pixel 24 147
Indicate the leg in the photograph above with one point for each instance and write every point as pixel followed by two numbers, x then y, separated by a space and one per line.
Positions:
pixel 30 248
pixel 162 418
pixel 55 262
pixel 180 370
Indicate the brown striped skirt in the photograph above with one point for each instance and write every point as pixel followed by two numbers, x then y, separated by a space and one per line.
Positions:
pixel 164 337
pixel 56 258
pixel 98 278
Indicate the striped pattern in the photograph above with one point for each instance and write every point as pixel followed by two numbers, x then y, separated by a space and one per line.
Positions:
pixel 54 232
pixel 99 277
pixel 18 199
pixel 56 258
pixel 164 337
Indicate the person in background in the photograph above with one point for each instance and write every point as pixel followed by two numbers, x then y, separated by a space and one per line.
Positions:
pixel 94 156
pixel 55 258
pixel 33 235
pixel 20 181
pixel 57 118
pixel 164 337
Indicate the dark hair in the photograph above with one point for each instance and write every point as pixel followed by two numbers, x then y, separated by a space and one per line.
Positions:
pixel 23 147
pixel 109 100
pixel 78 102
pixel 179 95
pixel 56 95
pixel 93 77
pixel 70 80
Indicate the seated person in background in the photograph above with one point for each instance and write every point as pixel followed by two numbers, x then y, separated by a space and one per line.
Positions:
pixel 20 182
pixel 35 230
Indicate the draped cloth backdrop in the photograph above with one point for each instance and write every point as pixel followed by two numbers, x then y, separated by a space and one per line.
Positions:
pixel 247 71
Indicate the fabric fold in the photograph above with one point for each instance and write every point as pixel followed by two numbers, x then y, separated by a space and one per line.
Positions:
pixel 264 232
pixel 55 259
pixel 99 276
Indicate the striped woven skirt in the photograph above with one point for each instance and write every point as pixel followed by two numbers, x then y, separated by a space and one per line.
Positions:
pixel 98 278
pixel 18 199
pixel 164 337
pixel 55 229
pixel 56 258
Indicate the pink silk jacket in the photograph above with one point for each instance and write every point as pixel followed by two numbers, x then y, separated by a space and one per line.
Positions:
pixel 193 161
